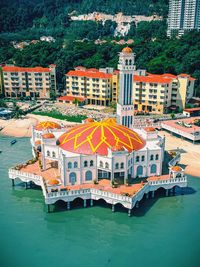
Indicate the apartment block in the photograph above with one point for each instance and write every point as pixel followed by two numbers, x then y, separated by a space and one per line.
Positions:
pixel 92 84
pixel 161 93
pixel 184 15
pixel 36 82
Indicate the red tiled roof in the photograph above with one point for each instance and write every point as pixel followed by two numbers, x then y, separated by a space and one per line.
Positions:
pixel 24 69
pixel 90 74
pixel 152 79
pixel 191 109
pixel 71 98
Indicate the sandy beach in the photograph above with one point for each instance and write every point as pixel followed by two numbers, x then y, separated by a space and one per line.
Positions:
pixel 190 154
pixel 22 127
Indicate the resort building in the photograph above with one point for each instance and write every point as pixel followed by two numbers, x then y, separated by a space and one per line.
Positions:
pixel 92 84
pixel 184 15
pixel 36 82
pixel 161 93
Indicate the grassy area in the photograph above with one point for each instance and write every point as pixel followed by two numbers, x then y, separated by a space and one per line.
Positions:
pixel 58 115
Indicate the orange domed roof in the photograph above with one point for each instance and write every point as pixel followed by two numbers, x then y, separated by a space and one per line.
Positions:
pixel 37 143
pixel 48 136
pixel 127 50
pixel 176 169
pixel 149 129
pixel 97 137
pixel 53 182
pixel 47 125
pixel 88 120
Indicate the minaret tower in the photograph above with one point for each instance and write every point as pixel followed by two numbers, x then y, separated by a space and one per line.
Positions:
pixel 125 107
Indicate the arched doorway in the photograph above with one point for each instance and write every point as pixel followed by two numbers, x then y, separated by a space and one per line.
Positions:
pixel 139 170
pixel 153 168
pixel 88 176
pixel 72 178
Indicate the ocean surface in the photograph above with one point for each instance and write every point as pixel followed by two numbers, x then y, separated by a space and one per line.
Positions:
pixel 163 232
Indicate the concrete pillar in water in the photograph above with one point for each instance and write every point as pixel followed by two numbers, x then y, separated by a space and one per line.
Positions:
pixel 113 208
pixel 129 212
pixel 167 192
pixel 48 208
pixel 85 203
pixel 147 195
pixel 13 182
pixel 68 205
pixel 137 204
pixel 153 194
pixel 91 202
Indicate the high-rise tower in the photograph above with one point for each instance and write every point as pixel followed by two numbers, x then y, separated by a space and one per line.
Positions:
pixel 184 15
pixel 125 107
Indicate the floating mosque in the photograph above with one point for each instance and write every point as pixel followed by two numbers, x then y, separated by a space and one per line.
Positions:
pixel 105 159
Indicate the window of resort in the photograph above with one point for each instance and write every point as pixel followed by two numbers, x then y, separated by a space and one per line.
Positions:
pixel 101 164
pixel 122 165
pixel 106 165
pixel 157 156
pixel 117 166
pixel 91 163
pixel 72 178
pixel 48 153
pixel 69 165
pixel 153 168
pixel 75 164
pixel 53 154
pixel 88 176
pixel 85 164
pixel 151 157
pixel 137 159
pixel 143 158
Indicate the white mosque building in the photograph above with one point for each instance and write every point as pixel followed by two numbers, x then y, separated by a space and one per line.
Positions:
pixel 103 150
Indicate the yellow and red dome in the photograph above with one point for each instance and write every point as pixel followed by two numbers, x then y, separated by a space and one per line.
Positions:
pixel 53 182
pixel 97 137
pixel 47 125
pixel 127 50
pixel 88 120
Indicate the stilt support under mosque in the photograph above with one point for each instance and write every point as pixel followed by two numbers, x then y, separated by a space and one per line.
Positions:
pixel 153 194
pixel 129 212
pixel 48 208
pixel 68 205
pixel 113 208
pixel 137 204
pixel 91 202
pixel 167 192
pixel 85 203
pixel 13 182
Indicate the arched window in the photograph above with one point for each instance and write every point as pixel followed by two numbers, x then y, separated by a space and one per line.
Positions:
pixel 151 157
pixel 143 157
pixel 53 154
pixel 88 176
pixel 85 163
pixel 101 164
pixel 126 61
pixel 130 62
pixel 137 159
pixel 72 178
pixel 91 163
pixel 106 165
pixel 117 166
pixel 153 168
pixel 69 165
pixel 139 170
pixel 75 164
pixel 157 156
pixel 48 153
pixel 122 165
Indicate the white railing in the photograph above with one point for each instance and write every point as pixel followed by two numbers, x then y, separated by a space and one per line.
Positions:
pixel 25 176
pixel 110 195
pixel 169 181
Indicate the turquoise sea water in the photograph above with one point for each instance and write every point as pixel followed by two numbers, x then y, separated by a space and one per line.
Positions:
pixel 163 231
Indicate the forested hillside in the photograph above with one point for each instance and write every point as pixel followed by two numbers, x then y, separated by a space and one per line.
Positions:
pixel 18 15
pixel 29 19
